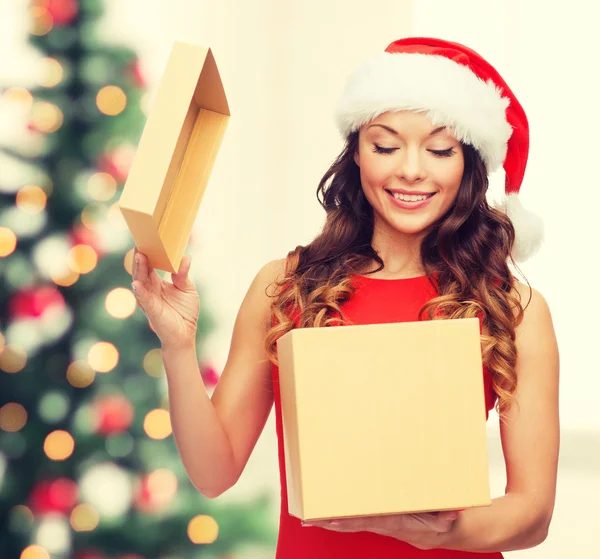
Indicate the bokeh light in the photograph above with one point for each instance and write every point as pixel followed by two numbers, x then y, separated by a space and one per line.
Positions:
pixel 21 518
pixel 53 406
pixel 157 424
pixel 89 215
pixel 8 241
pixel 13 358
pixel 80 374
pixel 203 529
pixel 51 254
pixel 34 552
pixel 101 187
pixel 50 72
pixel 84 518
pixel 40 23
pixel 145 103
pixel 64 279
pixel 119 445
pixel 82 259
pixel 120 302
pixel 115 216
pixel 19 96
pixel 46 117
pixel 53 533
pixel 31 199
pixel 108 488
pixel 128 262
pixel 59 445
pixel 153 363
pixel 111 100
pixel 162 485
pixel 103 357
pixel 13 417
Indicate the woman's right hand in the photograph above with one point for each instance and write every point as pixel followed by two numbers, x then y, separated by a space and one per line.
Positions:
pixel 172 308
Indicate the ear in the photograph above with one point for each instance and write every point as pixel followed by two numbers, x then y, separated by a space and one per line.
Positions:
pixel 357 157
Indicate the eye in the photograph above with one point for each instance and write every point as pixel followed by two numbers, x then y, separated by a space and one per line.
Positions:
pixel 379 149
pixel 443 152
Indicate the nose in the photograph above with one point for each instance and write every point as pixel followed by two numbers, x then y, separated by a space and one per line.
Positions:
pixel 410 166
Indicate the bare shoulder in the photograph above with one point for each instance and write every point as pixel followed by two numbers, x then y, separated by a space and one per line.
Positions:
pixel 535 306
pixel 257 301
pixel 271 272
pixel 536 329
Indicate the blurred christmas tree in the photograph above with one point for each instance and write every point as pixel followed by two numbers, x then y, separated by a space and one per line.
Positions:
pixel 88 465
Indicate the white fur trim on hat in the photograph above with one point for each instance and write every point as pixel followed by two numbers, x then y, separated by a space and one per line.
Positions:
pixel 448 92
pixel 529 228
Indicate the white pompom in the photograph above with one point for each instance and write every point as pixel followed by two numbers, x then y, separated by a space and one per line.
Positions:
pixel 529 228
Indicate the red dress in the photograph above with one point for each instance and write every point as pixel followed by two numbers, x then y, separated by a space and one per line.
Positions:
pixel 375 301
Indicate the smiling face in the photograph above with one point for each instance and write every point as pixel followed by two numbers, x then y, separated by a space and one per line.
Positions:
pixel 410 172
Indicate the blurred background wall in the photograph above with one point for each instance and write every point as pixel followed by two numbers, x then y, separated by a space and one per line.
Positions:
pixel 283 65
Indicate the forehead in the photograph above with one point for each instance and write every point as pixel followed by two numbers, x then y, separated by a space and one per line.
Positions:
pixel 406 123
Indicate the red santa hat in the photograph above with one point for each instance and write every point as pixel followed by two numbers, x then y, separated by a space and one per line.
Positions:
pixel 456 88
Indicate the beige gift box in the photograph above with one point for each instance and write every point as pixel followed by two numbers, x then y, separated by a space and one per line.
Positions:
pixel 384 418
pixel 175 156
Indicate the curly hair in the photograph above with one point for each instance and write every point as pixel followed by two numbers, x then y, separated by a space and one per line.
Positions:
pixel 465 255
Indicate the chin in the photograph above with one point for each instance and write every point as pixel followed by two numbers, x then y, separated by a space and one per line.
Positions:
pixel 420 228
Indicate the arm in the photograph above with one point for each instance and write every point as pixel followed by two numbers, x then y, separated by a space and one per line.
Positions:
pixel 215 436
pixel 530 442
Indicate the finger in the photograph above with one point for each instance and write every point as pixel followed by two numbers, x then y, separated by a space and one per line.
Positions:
pixel 142 296
pixel 145 273
pixel 448 515
pixel 333 525
pixel 134 260
pixel 181 279
pixel 443 521
pixel 431 521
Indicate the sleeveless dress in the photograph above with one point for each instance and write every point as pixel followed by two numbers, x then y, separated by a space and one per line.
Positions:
pixel 374 301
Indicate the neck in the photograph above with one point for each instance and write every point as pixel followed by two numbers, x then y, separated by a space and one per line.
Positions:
pixel 400 252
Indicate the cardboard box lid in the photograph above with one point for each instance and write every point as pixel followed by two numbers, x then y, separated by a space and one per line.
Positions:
pixel 191 74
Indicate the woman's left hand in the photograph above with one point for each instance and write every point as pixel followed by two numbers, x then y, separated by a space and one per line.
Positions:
pixel 422 530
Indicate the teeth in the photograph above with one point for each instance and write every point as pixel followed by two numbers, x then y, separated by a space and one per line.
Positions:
pixel 409 197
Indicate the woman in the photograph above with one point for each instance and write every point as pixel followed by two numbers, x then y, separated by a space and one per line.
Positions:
pixel 409 235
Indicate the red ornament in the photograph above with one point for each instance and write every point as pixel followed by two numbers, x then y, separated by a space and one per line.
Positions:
pixel 33 302
pixel 114 414
pixel 209 375
pixel 135 71
pixel 63 12
pixel 57 496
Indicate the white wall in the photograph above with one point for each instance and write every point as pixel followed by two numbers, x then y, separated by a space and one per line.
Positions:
pixel 283 64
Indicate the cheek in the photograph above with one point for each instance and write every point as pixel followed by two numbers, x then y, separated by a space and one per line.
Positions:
pixel 450 180
pixel 376 173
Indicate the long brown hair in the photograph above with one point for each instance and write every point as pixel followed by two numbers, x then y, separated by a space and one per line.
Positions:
pixel 467 252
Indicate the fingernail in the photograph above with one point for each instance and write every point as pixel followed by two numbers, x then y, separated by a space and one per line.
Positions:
pixel 137 258
pixel 133 286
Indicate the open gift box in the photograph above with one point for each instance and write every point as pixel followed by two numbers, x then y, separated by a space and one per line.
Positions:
pixel 384 418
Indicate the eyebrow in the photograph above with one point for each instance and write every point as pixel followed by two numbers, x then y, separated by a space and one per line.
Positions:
pixel 435 131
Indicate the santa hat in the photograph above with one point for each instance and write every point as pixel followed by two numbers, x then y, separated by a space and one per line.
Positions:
pixel 456 88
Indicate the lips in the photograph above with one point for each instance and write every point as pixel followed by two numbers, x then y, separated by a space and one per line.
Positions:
pixel 409 192
pixel 410 204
